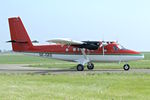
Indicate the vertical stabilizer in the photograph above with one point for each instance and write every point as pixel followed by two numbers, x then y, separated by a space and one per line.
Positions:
pixel 19 36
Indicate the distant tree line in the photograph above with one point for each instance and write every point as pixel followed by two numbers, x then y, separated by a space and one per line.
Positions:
pixel 5 51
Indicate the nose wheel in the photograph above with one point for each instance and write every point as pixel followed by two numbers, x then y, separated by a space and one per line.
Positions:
pixel 126 67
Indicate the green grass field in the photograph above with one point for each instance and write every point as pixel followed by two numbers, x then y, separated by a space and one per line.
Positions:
pixel 80 86
pixel 75 87
pixel 53 63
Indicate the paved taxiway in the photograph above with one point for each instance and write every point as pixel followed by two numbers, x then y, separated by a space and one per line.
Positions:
pixel 22 68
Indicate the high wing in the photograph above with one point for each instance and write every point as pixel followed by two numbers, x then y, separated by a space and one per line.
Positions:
pixel 65 41
pixel 91 45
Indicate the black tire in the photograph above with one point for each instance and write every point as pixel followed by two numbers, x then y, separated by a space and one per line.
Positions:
pixel 80 67
pixel 126 67
pixel 90 66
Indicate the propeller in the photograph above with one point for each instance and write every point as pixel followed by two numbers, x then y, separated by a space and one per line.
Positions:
pixel 103 46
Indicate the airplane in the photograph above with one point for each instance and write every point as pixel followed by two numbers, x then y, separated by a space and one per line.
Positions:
pixel 82 52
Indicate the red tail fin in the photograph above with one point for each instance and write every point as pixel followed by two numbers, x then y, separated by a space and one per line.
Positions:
pixel 19 37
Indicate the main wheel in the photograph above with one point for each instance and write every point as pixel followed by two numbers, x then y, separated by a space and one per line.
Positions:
pixel 126 67
pixel 80 67
pixel 90 66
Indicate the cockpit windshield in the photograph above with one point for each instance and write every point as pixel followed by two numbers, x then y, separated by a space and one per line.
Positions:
pixel 121 47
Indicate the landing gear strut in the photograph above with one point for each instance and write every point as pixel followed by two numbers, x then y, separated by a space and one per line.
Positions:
pixel 126 67
pixel 83 61
pixel 90 66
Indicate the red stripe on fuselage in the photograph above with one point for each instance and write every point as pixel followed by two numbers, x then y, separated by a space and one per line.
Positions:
pixel 73 50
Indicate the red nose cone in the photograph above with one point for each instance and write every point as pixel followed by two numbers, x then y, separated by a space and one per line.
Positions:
pixel 133 52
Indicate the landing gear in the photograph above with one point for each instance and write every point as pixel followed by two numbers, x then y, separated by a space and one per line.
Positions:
pixel 126 67
pixel 83 61
pixel 80 67
pixel 90 66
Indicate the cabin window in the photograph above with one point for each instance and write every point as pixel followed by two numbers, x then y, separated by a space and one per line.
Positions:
pixel 115 48
pixel 67 49
pixel 105 50
pixel 74 49
pixel 121 47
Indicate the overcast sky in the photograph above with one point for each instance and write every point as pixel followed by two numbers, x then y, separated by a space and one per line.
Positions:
pixel 127 21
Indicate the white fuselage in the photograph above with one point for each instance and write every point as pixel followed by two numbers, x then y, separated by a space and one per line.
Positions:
pixel 99 58
pixel 93 58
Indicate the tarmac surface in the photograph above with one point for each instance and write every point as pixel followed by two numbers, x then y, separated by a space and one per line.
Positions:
pixel 22 68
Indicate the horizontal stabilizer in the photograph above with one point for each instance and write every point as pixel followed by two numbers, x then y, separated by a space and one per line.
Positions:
pixel 14 41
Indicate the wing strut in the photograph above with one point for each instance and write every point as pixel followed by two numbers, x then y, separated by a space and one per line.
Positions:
pixel 84 54
pixel 85 59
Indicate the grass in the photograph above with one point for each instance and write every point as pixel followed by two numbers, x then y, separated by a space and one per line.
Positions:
pixel 75 87
pixel 53 63
pixel 22 59
pixel 81 86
